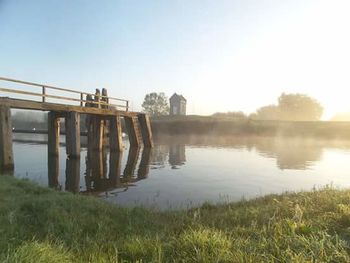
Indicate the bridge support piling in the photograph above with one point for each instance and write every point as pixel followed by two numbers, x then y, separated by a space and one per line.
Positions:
pixel 6 150
pixel 53 127
pixel 146 130
pixel 115 134
pixel 130 123
pixel 73 134
pixel 97 133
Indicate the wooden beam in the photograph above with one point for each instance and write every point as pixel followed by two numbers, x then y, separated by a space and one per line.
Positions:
pixel 73 134
pixel 146 130
pixel 38 105
pixel 115 134
pixel 131 127
pixel 6 150
pixel 53 126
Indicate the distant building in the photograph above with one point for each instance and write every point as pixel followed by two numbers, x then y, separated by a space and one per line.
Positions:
pixel 177 105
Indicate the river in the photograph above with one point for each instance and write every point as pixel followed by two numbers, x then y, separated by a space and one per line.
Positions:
pixel 186 171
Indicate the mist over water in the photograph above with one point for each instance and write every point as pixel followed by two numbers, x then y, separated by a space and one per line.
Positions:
pixel 186 171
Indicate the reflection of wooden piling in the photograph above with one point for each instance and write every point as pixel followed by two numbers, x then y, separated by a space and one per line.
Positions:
pixel 144 166
pixel 6 151
pixel 146 130
pixel 115 160
pixel 53 127
pixel 115 134
pixel 131 162
pixel 131 126
pixel 53 170
pixel 73 175
pixel 73 134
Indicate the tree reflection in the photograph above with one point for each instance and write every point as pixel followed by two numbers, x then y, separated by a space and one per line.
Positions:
pixel 290 153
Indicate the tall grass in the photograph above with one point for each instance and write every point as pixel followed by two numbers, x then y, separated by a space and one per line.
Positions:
pixel 42 225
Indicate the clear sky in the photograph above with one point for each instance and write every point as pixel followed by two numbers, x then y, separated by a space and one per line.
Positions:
pixel 221 55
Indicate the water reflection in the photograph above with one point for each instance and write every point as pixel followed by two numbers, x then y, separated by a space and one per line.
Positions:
pixel 144 166
pixel 291 153
pixel 177 155
pixel 96 178
pixel 208 168
pixel 101 176
pixel 130 167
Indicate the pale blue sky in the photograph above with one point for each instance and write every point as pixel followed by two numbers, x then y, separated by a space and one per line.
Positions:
pixel 221 55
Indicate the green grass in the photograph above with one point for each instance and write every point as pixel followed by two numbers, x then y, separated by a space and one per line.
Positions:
pixel 41 225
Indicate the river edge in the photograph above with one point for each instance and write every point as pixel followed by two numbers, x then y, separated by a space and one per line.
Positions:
pixel 39 224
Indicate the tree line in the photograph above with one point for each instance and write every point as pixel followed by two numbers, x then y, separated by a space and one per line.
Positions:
pixel 290 107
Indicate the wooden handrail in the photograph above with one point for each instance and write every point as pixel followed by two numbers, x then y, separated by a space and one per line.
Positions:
pixel 100 102
pixel 44 94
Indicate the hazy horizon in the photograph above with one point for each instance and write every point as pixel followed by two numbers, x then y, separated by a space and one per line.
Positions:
pixel 221 55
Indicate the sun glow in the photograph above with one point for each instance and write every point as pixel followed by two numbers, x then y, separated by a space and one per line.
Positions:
pixel 306 53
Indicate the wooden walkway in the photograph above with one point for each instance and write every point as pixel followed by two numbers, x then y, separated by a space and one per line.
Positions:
pixel 103 114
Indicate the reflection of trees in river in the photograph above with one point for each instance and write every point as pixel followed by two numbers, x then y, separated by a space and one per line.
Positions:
pixel 160 155
pixel 293 154
pixel 289 152
pixel 174 154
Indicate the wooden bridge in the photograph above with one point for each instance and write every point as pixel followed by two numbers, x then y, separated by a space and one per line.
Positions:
pixel 103 116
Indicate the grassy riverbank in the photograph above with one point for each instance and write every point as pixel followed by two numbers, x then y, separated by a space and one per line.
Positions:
pixel 209 125
pixel 41 225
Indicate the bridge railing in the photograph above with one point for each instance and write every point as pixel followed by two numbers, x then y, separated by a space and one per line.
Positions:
pixel 98 101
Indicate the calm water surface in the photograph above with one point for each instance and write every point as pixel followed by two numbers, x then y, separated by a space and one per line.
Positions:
pixel 181 172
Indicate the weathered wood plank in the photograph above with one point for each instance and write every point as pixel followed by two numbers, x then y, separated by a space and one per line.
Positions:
pixel 73 134
pixel 130 123
pixel 6 150
pixel 115 134
pixel 53 133
pixel 146 130
pixel 37 105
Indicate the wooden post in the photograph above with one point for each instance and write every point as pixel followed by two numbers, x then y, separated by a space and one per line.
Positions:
pixel 44 94
pixel 53 127
pixel 146 130
pixel 53 171
pixel 97 133
pixel 130 124
pixel 115 134
pixel 6 151
pixel 73 134
pixel 73 175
